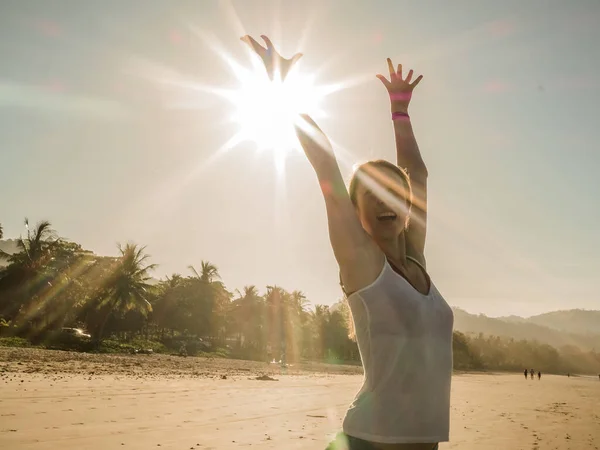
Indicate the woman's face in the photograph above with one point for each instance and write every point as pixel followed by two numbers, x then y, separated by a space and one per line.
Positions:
pixel 381 203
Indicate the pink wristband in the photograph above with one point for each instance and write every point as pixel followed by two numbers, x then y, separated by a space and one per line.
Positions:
pixel 400 116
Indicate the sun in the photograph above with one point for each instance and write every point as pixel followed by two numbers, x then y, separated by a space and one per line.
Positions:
pixel 266 110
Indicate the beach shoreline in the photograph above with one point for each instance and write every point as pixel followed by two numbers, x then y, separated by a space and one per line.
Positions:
pixel 51 399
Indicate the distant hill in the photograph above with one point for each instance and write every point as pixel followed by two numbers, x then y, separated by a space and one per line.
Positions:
pixel 572 321
pixel 550 328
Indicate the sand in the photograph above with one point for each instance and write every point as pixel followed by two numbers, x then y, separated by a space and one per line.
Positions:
pixel 60 400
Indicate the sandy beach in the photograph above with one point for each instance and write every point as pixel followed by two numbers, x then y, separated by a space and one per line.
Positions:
pixel 60 400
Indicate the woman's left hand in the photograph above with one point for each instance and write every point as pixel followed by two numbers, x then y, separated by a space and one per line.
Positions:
pixel 400 89
pixel 272 60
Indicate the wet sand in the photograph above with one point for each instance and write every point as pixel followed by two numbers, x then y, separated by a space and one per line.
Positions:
pixel 59 400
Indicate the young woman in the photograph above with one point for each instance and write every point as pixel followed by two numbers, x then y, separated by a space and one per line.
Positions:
pixel 403 325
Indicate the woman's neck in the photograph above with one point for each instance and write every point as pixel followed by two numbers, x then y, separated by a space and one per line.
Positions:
pixel 395 249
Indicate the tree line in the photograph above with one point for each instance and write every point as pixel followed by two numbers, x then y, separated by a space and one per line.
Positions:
pixel 51 283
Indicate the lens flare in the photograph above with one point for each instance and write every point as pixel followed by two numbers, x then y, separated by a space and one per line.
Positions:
pixel 266 110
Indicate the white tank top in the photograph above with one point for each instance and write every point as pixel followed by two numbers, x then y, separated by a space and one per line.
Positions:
pixel 405 343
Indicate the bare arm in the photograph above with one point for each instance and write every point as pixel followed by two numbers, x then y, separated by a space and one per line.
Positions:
pixel 359 258
pixel 408 156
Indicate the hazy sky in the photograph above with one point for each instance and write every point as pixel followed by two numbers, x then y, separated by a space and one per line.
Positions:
pixel 506 117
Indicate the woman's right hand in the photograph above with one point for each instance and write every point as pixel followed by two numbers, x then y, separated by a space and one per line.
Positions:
pixel 271 58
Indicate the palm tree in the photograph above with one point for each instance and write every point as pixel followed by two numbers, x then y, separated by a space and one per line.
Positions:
pixel 208 272
pixel 174 280
pixel 170 310
pixel 248 318
pixel 298 301
pixel 319 331
pixel 210 300
pixel 276 303
pixel 250 293
pixel 126 287
pixel 35 249
pixel 30 270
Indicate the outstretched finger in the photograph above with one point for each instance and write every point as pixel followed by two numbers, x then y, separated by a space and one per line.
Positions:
pixel 384 80
pixel 399 71
pixel 409 76
pixel 270 45
pixel 417 81
pixel 254 45
pixel 295 58
pixel 391 69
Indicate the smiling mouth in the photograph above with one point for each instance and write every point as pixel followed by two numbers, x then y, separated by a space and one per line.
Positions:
pixel 386 217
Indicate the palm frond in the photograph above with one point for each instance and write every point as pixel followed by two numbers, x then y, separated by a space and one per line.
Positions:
pixel 193 269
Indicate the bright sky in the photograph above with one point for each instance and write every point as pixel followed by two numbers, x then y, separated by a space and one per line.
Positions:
pixel 100 135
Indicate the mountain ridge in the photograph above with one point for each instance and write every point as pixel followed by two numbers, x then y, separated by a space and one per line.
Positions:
pixel 576 327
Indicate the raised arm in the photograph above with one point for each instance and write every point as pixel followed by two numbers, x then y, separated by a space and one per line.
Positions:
pixel 408 155
pixel 359 258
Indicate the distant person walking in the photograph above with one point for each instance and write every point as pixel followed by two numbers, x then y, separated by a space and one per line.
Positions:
pixel 539 375
pixel 525 373
pixel 532 372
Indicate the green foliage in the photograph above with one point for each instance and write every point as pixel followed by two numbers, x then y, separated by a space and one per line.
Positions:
pixel 14 342
pixel 499 353
pixel 124 289
pixel 465 357
pixel 145 344
pixel 112 346
pixel 64 341
pixel 217 353
pixel 51 283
